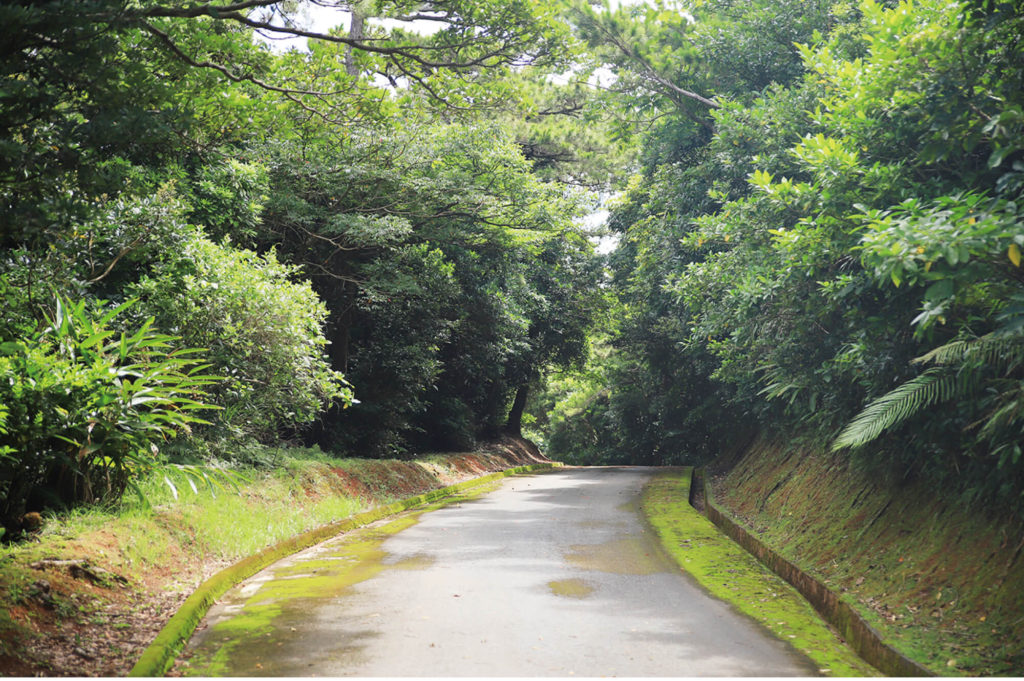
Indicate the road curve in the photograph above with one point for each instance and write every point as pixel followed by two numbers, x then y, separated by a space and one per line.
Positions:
pixel 550 575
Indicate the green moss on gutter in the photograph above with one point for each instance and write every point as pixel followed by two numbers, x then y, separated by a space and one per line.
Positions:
pixel 728 572
pixel 160 655
pixel 237 643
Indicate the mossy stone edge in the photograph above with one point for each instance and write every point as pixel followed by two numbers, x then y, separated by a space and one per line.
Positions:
pixel 858 634
pixel 168 644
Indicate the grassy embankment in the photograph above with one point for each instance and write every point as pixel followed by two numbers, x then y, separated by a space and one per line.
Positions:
pixel 110 579
pixel 942 582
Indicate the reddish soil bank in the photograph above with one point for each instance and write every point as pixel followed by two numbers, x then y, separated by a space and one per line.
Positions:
pixel 942 581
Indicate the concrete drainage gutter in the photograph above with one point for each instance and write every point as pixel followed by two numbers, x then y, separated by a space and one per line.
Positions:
pixel 864 640
pixel 168 644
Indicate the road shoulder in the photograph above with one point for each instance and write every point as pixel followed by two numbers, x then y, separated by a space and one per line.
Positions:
pixel 731 574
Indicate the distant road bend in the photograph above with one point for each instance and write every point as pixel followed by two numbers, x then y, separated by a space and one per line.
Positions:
pixel 550 575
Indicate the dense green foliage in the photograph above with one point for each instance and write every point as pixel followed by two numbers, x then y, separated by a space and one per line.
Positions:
pixel 355 248
pixel 261 332
pixel 84 408
pixel 848 238
pixel 453 275
pixel 375 243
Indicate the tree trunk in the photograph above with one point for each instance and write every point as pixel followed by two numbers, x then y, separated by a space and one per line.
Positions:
pixel 514 426
pixel 356 33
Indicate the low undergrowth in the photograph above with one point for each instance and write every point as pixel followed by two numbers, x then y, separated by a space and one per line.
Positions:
pixel 728 572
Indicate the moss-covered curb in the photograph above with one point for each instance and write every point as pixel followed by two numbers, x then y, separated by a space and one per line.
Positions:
pixel 160 655
pixel 860 636
pixel 728 572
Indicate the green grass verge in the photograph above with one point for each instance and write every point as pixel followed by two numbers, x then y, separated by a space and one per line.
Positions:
pixel 160 655
pixel 167 537
pixel 728 572
pixel 272 505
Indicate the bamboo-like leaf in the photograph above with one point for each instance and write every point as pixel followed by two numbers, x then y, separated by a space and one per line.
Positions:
pixel 133 486
pixel 933 386
pixel 110 314
pixel 95 339
pixel 174 490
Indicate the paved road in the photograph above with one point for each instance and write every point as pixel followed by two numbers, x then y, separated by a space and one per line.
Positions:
pixel 550 575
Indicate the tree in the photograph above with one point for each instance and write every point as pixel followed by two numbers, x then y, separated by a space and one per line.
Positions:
pixel 834 228
pixel 424 240
pixel 261 331
pixel 79 114
pixel 670 397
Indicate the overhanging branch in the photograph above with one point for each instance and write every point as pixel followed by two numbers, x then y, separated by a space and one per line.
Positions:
pixel 238 78
pixel 505 53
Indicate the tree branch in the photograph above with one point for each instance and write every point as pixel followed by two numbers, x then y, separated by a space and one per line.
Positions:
pixel 244 78
pixel 677 94
pixel 194 11
pixel 124 251
pixel 411 52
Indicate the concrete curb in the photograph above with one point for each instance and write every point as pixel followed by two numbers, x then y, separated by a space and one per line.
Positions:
pixel 864 640
pixel 168 644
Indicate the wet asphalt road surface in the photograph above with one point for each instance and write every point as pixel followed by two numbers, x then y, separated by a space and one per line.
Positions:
pixel 550 575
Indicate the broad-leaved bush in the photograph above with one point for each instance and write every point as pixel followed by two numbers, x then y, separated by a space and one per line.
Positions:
pixel 262 329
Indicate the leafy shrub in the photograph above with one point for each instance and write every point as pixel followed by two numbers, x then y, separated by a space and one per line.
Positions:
pixel 228 198
pixel 264 333
pixel 84 409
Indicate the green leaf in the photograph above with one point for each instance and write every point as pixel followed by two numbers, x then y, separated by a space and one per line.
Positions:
pixel 134 487
pixel 95 339
pixel 174 490
pixel 11 348
pixel 933 386
pixel 940 290
pixel 997 156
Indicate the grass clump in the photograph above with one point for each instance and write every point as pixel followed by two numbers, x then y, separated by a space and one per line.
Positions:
pixel 166 540
pixel 728 572
pixel 276 505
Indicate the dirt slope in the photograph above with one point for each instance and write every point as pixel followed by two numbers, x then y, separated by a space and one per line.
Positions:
pixel 943 583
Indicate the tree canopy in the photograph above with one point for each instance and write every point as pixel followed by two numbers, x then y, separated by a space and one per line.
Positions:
pixel 379 243
pixel 831 251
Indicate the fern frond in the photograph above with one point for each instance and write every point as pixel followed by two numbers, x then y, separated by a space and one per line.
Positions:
pixel 989 349
pixel 950 353
pixel 933 386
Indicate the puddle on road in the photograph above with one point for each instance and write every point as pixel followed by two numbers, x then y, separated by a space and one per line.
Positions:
pixel 418 561
pixel 612 525
pixel 625 556
pixel 571 588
